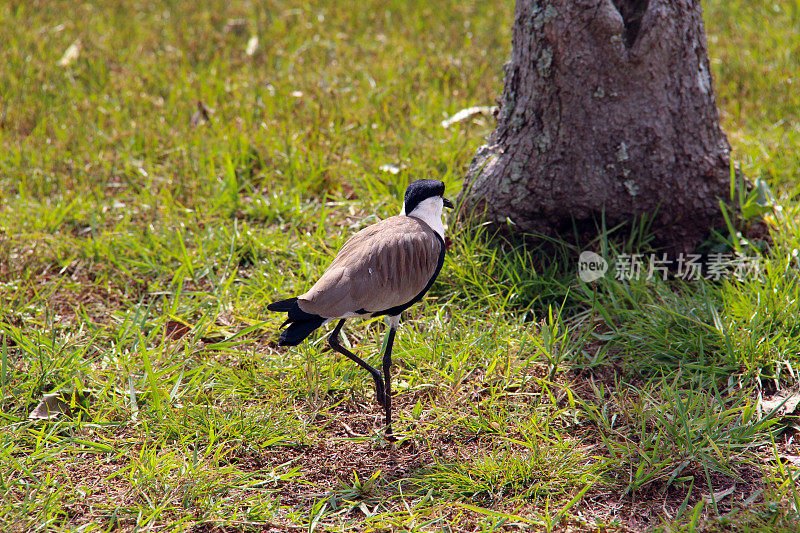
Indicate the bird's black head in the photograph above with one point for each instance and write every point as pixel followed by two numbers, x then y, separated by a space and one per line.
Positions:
pixel 421 190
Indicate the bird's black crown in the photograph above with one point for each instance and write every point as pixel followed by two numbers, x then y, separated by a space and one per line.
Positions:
pixel 421 190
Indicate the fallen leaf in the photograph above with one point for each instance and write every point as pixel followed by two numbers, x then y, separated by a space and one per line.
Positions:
pixel 719 495
pixel 175 330
pixel 225 319
pixel 252 45
pixel 782 403
pixel 55 404
pixel 793 459
pixel 201 115
pixel 752 498
pixel 70 54
pixel 51 407
pixel 469 112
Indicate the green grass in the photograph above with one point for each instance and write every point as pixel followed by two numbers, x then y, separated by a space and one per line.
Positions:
pixel 139 248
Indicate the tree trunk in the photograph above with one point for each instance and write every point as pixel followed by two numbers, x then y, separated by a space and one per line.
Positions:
pixel 607 108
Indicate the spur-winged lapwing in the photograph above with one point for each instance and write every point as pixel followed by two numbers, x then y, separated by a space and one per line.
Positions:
pixel 380 271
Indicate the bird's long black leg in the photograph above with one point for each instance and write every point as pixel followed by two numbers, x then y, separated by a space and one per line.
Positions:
pixel 387 380
pixel 333 340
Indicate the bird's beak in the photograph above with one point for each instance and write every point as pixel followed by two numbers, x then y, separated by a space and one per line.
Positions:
pixel 447 203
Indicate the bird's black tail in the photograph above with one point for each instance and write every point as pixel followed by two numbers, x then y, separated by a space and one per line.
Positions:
pixel 301 324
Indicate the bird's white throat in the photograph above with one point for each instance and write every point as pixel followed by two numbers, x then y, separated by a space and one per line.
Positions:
pixel 430 212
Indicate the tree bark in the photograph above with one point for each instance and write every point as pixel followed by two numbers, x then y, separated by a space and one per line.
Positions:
pixel 607 108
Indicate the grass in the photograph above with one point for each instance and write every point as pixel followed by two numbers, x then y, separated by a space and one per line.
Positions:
pixel 140 241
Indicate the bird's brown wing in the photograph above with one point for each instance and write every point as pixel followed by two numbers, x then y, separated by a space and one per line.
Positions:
pixel 380 267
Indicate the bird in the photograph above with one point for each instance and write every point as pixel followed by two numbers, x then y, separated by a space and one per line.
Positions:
pixel 381 270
